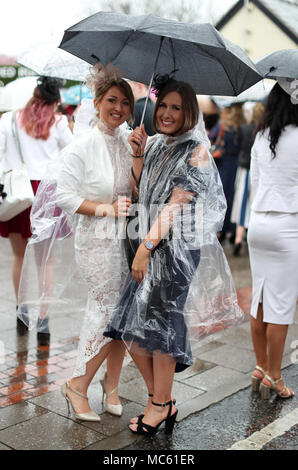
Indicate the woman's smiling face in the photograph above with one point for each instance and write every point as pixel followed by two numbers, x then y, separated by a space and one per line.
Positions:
pixel 113 107
pixel 170 114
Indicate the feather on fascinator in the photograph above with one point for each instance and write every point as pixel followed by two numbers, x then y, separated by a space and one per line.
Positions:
pixel 100 75
pixel 160 81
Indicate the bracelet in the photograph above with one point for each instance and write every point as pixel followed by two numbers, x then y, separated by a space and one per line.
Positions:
pixel 137 156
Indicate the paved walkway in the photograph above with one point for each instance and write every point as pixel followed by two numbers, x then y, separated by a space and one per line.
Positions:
pixel 33 414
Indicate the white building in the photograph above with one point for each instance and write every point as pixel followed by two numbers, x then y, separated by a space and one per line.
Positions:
pixel 261 26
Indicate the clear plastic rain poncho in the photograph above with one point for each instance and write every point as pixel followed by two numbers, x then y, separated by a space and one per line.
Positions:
pixel 75 264
pixel 187 294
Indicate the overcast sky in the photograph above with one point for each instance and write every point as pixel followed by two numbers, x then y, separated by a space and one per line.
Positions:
pixel 28 22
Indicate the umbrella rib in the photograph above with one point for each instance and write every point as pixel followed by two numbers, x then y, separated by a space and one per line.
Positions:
pixel 213 57
pixel 124 44
pixel 173 53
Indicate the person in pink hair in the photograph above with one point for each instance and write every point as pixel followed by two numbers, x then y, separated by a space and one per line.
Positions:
pixel 42 132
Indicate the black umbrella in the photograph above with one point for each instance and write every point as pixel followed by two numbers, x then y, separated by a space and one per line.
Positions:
pixel 279 64
pixel 141 46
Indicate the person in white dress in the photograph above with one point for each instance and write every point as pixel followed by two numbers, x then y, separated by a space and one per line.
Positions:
pixel 95 182
pixel 43 133
pixel 92 188
pixel 273 237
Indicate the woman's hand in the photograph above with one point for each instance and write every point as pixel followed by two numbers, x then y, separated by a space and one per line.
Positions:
pixel 119 208
pixel 140 263
pixel 137 140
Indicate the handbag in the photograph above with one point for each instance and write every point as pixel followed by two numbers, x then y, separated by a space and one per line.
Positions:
pixel 132 240
pixel 17 192
pixel 217 149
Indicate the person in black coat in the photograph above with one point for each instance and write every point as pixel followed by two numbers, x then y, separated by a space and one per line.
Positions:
pixel 230 120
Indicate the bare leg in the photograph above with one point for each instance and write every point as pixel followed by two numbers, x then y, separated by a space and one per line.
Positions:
pixel 18 245
pixel 240 233
pixel 45 274
pixel 82 383
pixel 259 339
pixel 163 373
pixel 276 338
pixel 114 366
pixel 144 363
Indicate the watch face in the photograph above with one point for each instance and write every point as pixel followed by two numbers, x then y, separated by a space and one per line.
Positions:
pixel 149 245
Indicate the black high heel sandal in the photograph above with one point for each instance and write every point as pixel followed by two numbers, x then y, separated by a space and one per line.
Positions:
pixel 147 430
pixel 141 416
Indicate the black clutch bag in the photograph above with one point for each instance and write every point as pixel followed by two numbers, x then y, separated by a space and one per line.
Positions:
pixel 132 240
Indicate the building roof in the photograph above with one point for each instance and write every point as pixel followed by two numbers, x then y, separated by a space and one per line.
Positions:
pixel 284 13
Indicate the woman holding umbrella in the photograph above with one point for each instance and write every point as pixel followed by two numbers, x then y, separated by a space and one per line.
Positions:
pixel 170 298
pixel 273 237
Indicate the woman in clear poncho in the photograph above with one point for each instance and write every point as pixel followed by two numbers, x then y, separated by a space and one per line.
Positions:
pixel 92 185
pixel 180 289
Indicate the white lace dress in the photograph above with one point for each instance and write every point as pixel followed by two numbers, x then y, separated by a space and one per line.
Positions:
pixel 97 167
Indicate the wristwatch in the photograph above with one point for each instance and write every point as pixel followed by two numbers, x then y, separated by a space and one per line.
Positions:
pixel 149 245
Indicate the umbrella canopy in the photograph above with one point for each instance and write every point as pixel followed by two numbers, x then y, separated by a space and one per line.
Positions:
pixel 257 92
pixel 46 59
pixel 142 45
pixel 279 64
pixel 75 94
pixel 17 93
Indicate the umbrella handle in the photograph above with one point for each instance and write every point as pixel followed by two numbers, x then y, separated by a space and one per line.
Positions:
pixel 146 102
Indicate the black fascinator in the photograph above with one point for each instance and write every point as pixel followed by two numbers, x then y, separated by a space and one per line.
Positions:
pixel 50 88
pixel 160 81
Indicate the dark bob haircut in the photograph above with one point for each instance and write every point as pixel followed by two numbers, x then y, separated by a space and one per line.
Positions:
pixel 189 102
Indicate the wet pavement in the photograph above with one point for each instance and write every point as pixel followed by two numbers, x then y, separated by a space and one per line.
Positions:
pixel 216 407
pixel 233 419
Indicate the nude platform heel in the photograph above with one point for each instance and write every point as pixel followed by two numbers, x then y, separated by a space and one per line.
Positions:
pixel 256 381
pixel 266 389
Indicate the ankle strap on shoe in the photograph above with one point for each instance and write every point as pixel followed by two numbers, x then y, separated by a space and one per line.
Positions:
pixel 273 382
pixel 260 369
pixel 75 391
pixel 162 404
